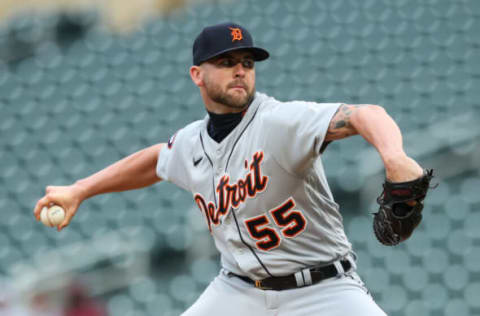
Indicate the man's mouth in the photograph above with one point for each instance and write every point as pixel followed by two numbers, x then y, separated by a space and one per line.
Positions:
pixel 239 87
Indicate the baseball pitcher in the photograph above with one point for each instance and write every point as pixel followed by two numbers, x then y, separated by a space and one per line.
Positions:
pixel 254 168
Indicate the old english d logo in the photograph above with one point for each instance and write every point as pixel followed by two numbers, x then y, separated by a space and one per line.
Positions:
pixel 236 34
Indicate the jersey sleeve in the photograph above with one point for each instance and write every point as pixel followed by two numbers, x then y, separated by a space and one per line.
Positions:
pixel 171 161
pixel 296 132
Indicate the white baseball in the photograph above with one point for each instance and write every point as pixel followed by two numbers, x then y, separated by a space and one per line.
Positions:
pixel 52 216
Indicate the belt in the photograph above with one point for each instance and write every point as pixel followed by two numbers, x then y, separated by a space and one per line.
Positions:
pixel 302 278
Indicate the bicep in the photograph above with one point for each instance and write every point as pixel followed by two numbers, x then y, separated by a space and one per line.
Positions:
pixel 340 125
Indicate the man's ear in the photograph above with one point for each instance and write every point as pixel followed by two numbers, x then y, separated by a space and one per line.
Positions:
pixel 196 75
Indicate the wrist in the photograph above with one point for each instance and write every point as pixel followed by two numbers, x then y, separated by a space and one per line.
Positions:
pixel 80 190
pixel 402 168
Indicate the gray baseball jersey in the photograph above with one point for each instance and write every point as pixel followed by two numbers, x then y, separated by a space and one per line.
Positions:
pixel 262 189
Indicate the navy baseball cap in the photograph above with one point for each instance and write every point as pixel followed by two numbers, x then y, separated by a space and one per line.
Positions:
pixel 221 38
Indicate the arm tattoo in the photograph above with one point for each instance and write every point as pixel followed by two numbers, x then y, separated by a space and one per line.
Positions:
pixel 340 126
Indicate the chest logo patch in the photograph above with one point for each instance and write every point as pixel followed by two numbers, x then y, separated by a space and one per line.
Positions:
pixel 233 195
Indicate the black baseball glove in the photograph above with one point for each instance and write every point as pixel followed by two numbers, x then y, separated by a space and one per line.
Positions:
pixel 400 211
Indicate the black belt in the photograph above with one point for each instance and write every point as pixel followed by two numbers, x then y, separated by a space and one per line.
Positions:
pixel 290 281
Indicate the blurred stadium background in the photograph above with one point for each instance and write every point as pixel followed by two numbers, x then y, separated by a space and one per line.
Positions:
pixel 84 83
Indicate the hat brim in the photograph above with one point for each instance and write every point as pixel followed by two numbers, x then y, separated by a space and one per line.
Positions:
pixel 259 54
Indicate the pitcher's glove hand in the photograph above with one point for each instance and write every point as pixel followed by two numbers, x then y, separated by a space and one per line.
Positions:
pixel 400 211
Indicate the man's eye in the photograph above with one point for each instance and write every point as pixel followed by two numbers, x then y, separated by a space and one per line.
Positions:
pixel 248 63
pixel 226 63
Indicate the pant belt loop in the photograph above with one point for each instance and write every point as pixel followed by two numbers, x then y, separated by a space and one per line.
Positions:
pixel 307 276
pixel 352 258
pixel 299 278
pixel 339 267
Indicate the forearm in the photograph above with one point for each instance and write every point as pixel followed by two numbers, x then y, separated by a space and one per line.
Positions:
pixel 379 129
pixel 133 172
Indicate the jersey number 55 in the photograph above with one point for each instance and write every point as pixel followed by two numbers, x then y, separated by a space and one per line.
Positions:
pixel 290 223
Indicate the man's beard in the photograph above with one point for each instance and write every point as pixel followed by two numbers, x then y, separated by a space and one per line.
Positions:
pixel 215 93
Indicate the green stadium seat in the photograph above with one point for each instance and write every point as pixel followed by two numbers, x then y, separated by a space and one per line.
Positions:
pixel 98 42
pixel 49 58
pixel 435 296
pixel 26 223
pixel 37 242
pixel 459 242
pixel 416 278
pixel 471 295
pixel 95 226
pixel 470 259
pixel 419 242
pixel 165 219
pixel 204 270
pixel 471 226
pixel 144 290
pixel 436 260
pixel 395 300
pixel 456 277
pixel 161 302
pixel 121 304
pixel 183 288
pixel 438 227
pixel 461 208
pixel 469 189
pixel 9 254
pixel 5 243
pixel 417 307
pixel 377 279
pixel 178 238
pixel 62 238
pixel 12 91
pixel 356 228
pixel 457 307
pixel 30 72
pixel 398 262
pixel 375 249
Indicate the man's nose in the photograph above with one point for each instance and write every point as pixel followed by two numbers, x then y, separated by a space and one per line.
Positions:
pixel 239 70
